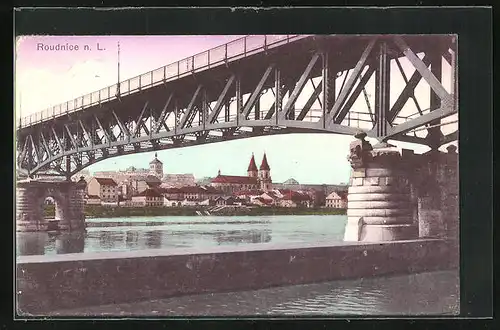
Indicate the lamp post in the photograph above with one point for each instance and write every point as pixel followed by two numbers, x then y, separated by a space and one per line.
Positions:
pixel 118 72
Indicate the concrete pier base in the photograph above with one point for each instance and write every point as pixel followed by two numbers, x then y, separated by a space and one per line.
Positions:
pixel 397 195
pixel 68 197
pixel 379 204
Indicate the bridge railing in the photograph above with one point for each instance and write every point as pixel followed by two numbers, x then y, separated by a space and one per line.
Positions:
pixel 231 51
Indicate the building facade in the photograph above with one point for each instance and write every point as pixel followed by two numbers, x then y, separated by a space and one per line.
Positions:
pixel 254 180
pixel 105 188
pixel 139 183
pixel 336 200
pixel 265 175
pixel 149 197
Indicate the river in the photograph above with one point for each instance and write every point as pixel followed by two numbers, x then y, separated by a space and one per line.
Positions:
pixel 433 293
pixel 416 294
pixel 139 233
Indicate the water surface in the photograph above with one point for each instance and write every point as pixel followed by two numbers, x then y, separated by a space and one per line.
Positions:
pixel 433 293
pixel 139 233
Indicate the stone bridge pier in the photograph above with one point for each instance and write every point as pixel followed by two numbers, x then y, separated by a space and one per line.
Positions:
pixel 397 195
pixel 68 197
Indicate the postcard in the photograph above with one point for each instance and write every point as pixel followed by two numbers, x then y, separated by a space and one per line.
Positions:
pixel 236 175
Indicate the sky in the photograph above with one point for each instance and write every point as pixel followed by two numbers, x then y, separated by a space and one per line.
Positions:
pixel 44 78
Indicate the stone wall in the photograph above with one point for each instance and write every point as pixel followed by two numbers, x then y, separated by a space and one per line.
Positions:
pixel 76 216
pixel 47 283
pixel 69 203
pixel 28 217
pixel 434 182
pixel 397 195
pixel 379 198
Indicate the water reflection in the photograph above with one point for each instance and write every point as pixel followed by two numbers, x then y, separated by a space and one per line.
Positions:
pixel 243 236
pixel 433 293
pixel 32 244
pixel 423 293
pixel 107 240
pixel 70 243
pixel 153 239
pixel 132 240
pixel 210 231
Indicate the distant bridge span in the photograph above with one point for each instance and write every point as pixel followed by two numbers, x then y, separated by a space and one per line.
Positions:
pixel 249 87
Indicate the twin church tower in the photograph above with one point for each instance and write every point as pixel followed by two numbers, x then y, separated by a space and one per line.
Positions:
pixel 257 178
pixel 263 174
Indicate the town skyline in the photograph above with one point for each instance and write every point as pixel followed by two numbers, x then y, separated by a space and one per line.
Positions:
pixel 293 166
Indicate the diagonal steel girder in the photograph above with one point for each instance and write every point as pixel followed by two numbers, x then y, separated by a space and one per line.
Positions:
pixel 86 133
pixel 71 137
pixel 34 149
pixel 407 92
pixel 163 113
pixel 123 127
pixel 190 109
pixel 256 92
pixel 299 86
pixel 145 128
pixel 58 141
pixel 23 153
pixel 310 101
pixel 139 120
pixel 420 66
pixel 105 131
pixel 445 110
pixel 221 100
pixel 346 90
pixel 352 99
pixel 45 145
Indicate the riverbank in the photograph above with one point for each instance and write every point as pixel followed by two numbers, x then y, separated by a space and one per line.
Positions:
pixel 67 281
pixel 437 294
pixel 99 211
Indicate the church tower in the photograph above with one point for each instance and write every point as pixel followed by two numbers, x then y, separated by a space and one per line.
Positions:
pixel 156 167
pixel 265 175
pixel 252 168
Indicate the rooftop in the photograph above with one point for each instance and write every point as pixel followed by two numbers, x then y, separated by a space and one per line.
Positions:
pixel 294 195
pixel 234 179
pixel 150 193
pixel 148 178
pixel 337 195
pixel 155 160
pixel 264 165
pixel 252 167
pixel 248 193
pixel 291 181
pixel 106 181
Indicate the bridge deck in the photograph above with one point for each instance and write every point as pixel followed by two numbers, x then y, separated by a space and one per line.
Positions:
pixel 221 55
pixel 345 48
pixel 243 92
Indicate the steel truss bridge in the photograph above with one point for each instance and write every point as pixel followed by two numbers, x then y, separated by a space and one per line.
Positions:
pixel 219 95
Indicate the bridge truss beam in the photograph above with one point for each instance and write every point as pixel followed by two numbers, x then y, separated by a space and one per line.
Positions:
pixel 299 83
